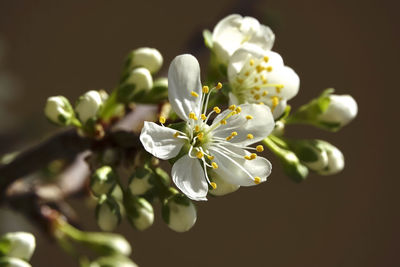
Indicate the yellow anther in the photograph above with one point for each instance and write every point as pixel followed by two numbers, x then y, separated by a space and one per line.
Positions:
pixel 260 103
pixel 253 155
pixel 233 113
pixel 266 59
pixel 234 133
pixel 275 101
pixel 196 128
pixel 192 116
pixel 251 62
pixel 203 117
pixel 259 148
pixel 257 180
pixel 238 109
pixel 223 122
pixel 210 157
pixel 214 165
pixel 257 97
pixel 250 136
pixel 252 92
pixel 265 81
pixel 249 117
pixel 264 93
pixel 199 155
pixel 259 68
pixel 213 185
pixel 217 110
pixel 257 88
pixel 219 85
pixel 278 88
pixel 206 89
pixel 176 134
pixel 232 107
pixel 247 157
pixel 162 119
pixel 247 73
pixel 229 138
pixel 200 136
pixel 194 94
pixel 256 80
pixel 269 69
pixel 239 80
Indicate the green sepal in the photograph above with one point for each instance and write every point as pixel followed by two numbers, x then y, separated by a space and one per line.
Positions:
pixel 207 35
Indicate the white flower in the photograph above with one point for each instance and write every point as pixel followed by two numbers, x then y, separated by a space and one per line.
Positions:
pixel 342 109
pixel 143 217
pixel 108 213
pixel 234 30
pixel 179 213
pixel 139 183
pixel 59 110
pixel 141 78
pixel 19 245
pixel 103 181
pixel 256 75
pixel 222 146
pixel 88 105
pixel 149 58
pixel 335 160
pixel 223 187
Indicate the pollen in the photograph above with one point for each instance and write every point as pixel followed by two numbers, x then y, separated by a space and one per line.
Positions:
pixel 199 155
pixel 247 73
pixel 162 119
pixel 257 180
pixel 266 59
pixel 192 116
pixel 250 136
pixel 223 122
pixel 219 86
pixel 247 157
pixel 200 136
pixel 259 148
pixel 260 103
pixel 253 155
pixel 232 107
pixel 275 101
pixel 238 110
pixel 217 110
pixel 194 94
pixel 234 133
pixel 257 88
pixel 203 117
pixel 256 80
pixel 257 97
pixel 176 134
pixel 249 117
pixel 279 88
pixel 269 69
pixel 210 157
pixel 214 165
pixel 251 62
pixel 206 89
pixel 264 93
pixel 197 128
pixel 213 185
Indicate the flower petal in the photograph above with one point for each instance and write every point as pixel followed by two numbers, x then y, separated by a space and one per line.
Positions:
pixel 160 141
pixel 183 78
pixel 188 176
pixel 288 78
pixel 234 169
pixel 260 125
pixel 264 38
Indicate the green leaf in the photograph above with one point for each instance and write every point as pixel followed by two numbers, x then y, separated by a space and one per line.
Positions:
pixel 207 35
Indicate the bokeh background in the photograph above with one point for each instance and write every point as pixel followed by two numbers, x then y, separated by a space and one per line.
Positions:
pixel 350 219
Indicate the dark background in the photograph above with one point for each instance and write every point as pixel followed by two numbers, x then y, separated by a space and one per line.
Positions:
pixel 350 219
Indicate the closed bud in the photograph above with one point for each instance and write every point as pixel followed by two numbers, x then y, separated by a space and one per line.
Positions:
pixel 18 245
pixel 179 213
pixel 108 215
pixel 223 187
pixel 341 110
pixel 113 261
pixel 13 262
pixel 58 110
pixel 103 181
pixel 88 105
pixel 149 58
pixel 139 212
pixel 140 181
pixel 335 160
pixel 136 84
pixel 293 168
pixel 105 243
pixel 311 153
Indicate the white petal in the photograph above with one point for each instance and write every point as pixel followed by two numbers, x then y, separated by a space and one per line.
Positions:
pixel 342 109
pixel 223 187
pixel 183 78
pixel 264 38
pixel 279 109
pixel 188 176
pixel 237 170
pixel 160 141
pixel 260 126
pixel 288 78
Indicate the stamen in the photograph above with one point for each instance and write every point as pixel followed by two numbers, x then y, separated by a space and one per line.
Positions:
pixel 214 165
pixel 238 109
pixel 259 68
pixel 213 185
pixel 223 122
pixel 194 94
pixel 275 101
pixel 206 89
pixel 257 88
pixel 259 148
pixel 257 180
pixel 249 117
pixel 253 155
pixel 200 136
pixel 250 136
pixel 203 117
pixel 176 134
pixel 197 128
pixel 247 157
pixel 210 157
pixel 266 59
pixel 162 119
pixel 217 110
pixel 234 133
pixel 269 69
pixel 199 154
pixel 264 93
pixel 251 62
pixel 232 107
pixel 279 88
pixel 192 116
pixel 247 73
pixel 219 86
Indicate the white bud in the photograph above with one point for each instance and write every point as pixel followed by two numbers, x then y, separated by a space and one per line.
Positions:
pixel 107 214
pixel 13 262
pixel 342 109
pixel 88 105
pixel 335 160
pixel 223 187
pixel 143 216
pixel 19 245
pixel 103 181
pixel 179 213
pixel 313 154
pixel 139 183
pixel 59 110
pixel 149 58
pixel 141 78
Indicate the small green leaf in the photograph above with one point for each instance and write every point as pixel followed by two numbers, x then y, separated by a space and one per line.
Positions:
pixel 207 35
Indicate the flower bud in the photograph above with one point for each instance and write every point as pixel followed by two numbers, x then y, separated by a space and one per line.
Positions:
pixel 13 262
pixel 341 110
pixel 312 153
pixel 179 213
pixel 103 181
pixel 88 105
pixel 149 58
pixel 139 212
pixel 293 168
pixel 335 160
pixel 223 187
pixel 104 243
pixel 139 182
pixel 18 244
pixel 136 84
pixel 58 110
pixel 107 213
pixel 114 260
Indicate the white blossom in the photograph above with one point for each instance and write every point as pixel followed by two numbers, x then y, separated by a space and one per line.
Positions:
pixel 335 160
pixel 260 76
pixel 149 58
pixel 88 105
pixel 342 109
pixel 19 245
pixel 179 213
pixel 59 110
pixel 234 30
pixel 222 146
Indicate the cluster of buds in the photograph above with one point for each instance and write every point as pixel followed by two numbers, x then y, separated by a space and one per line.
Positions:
pixel 16 249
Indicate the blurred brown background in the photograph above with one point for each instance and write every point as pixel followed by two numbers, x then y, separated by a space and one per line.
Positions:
pixel 351 219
